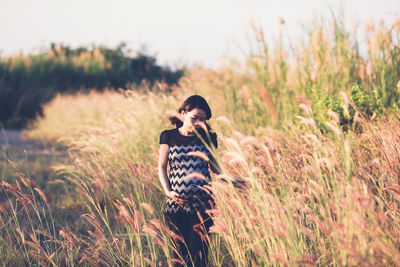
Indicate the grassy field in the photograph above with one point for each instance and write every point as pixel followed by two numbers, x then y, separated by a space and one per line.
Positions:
pixel 315 132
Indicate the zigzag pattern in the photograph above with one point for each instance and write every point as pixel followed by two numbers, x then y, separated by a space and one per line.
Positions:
pixel 190 189
pixel 181 172
pixel 177 182
pixel 186 148
pixel 179 152
pixel 191 165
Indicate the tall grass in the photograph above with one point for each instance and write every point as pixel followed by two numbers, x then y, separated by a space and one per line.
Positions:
pixel 313 199
pixel 314 196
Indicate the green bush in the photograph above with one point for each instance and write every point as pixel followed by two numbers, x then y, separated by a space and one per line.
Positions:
pixel 367 104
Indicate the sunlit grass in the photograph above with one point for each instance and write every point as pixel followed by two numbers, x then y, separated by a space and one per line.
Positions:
pixel 313 196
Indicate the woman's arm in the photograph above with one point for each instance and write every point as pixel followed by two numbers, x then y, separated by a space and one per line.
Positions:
pixel 162 167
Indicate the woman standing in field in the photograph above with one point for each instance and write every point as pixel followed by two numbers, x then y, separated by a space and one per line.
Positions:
pixel 187 151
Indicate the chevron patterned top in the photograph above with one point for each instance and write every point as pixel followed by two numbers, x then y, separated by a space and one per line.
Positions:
pixel 181 165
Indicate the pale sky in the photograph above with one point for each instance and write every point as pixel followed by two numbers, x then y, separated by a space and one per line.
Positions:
pixel 175 31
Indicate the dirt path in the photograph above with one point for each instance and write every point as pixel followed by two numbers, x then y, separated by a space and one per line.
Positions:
pixel 12 137
pixel 12 140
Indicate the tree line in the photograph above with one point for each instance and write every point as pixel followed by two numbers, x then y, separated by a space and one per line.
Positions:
pixel 29 81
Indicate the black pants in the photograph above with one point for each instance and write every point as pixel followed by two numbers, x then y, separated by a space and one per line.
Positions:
pixel 188 226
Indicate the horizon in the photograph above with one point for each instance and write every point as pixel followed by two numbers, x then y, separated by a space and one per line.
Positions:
pixel 176 32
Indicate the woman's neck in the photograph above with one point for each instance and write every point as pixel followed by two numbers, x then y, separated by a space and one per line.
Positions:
pixel 184 131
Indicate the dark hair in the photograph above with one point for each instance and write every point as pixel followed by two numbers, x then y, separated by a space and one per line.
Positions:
pixel 192 102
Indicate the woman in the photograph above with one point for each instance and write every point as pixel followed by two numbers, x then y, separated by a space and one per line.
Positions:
pixel 187 150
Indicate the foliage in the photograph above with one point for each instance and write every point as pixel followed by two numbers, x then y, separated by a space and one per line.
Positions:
pixel 327 58
pixel 367 104
pixel 27 82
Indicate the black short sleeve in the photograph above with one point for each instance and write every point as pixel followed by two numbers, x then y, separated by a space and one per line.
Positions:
pixel 164 138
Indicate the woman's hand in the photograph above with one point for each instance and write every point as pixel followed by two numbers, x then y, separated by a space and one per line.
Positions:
pixel 177 198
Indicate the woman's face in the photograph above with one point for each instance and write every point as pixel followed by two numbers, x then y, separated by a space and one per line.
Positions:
pixel 194 118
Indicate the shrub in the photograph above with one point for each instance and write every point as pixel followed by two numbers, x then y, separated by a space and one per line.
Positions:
pixel 367 104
